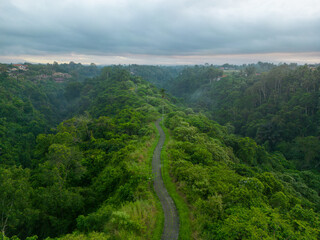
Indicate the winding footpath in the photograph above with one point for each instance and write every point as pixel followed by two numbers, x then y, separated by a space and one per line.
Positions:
pixel 171 218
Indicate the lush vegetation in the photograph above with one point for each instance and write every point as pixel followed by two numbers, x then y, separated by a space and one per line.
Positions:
pixel 92 172
pixel 32 102
pixel 235 188
pixel 182 208
pixel 76 148
pixel 279 108
pixel 160 76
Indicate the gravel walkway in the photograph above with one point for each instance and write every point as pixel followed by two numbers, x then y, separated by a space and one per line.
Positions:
pixel 171 218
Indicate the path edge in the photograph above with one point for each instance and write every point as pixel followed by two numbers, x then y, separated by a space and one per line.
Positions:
pixel 182 208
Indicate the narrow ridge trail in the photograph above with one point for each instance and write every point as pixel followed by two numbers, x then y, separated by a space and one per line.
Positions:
pixel 171 218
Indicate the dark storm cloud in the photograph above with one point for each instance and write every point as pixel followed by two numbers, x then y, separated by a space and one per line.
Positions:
pixel 182 27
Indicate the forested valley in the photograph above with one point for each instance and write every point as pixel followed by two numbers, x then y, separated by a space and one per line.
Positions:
pixel 242 151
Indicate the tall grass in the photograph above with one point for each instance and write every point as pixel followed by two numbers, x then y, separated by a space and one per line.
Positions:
pixel 145 213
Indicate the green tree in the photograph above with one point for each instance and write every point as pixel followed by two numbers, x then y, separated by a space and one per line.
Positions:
pixel 15 201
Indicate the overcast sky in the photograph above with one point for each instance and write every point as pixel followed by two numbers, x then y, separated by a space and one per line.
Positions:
pixel 160 31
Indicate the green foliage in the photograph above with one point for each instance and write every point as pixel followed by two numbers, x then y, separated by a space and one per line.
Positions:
pixel 279 199
pixel 89 177
pixel 16 206
pixel 88 174
pixel 231 200
pixel 94 221
pixel 191 78
pixel 32 102
pixel 158 75
pixel 185 228
pixel 278 108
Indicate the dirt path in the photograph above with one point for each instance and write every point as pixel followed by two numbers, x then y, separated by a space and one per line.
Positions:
pixel 171 218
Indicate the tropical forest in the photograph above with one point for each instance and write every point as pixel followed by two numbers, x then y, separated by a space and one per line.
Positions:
pixel 239 155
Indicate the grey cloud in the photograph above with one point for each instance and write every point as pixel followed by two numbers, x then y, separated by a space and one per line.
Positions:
pixel 157 27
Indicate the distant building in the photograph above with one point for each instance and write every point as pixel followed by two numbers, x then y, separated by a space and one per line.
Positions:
pixel 21 67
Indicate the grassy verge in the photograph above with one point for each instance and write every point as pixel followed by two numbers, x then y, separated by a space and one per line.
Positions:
pixel 160 219
pixel 183 211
